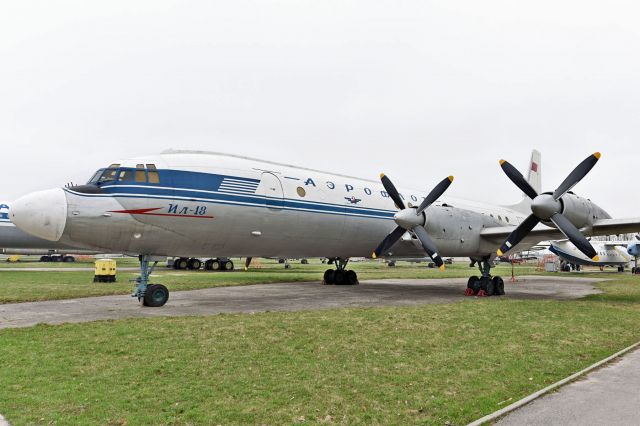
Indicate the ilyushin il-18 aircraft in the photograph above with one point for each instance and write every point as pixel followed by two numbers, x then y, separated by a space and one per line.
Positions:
pixel 194 203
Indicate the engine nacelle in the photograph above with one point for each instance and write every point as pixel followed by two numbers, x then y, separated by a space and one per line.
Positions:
pixel 580 211
pixel 634 249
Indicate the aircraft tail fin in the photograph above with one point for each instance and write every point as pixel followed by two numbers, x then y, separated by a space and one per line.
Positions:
pixel 534 177
pixel 535 171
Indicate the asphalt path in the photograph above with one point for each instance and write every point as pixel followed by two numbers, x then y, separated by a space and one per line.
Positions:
pixel 609 396
pixel 283 297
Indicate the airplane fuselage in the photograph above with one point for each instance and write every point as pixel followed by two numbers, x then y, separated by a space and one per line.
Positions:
pixel 195 204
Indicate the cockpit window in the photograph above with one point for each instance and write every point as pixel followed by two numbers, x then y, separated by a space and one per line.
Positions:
pixel 109 175
pixel 96 176
pixel 141 174
pixel 126 175
pixel 152 173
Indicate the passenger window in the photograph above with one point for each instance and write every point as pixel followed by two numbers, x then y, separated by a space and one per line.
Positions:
pixel 141 173
pixel 153 175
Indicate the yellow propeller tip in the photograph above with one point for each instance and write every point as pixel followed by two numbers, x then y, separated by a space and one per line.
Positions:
pixel 373 256
pixel 595 258
pixel 597 155
pixel 246 269
pixel 442 268
pixel 500 253
pixel 451 178
pixel 381 175
pixel 502 162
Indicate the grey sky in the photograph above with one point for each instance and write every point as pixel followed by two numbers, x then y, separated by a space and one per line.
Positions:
pixel 417 89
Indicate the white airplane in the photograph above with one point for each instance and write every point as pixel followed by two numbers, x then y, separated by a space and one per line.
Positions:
pixel 610 253
pixel 16 241
pixel 195 203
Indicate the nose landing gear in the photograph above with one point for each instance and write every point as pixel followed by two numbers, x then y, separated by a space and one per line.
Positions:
pixel 485 285
pixel 152 295
pixel 340 276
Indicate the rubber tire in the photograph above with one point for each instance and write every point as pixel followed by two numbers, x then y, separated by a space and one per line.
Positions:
pixel 351 278
pixel 207 265
pixel 477 286
pixel 633 271
pixel 44 258
pixel 182 263
pixel 484 285
pixel 490 287
pixel 304 262
pixel 339 278
pixel 215 265
pixel 194 264
pixel 498 285
pixel 329 277
pixel 471 282
pixel 155 296
pixel 228 266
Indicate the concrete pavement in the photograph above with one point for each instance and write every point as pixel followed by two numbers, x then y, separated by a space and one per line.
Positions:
pixel 282 297
pixel 609 396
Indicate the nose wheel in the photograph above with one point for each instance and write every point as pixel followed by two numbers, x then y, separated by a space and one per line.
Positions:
pixel 340 275
pixel 151 295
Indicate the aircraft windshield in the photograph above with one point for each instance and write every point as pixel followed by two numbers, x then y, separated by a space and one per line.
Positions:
pixel 115 173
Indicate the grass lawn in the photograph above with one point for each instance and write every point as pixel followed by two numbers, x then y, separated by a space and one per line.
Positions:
pixel 411 365
pixel 26 286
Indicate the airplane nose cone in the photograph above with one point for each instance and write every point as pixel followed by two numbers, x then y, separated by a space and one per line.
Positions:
pixel 43 213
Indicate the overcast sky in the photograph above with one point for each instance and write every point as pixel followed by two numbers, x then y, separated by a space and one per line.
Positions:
pixel 417 89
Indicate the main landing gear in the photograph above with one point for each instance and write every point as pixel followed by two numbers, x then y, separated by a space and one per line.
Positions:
pixel 485 285
pixel 340 276
pixel 152 295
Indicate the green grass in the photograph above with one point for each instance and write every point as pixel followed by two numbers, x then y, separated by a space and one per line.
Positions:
pixel 429 364
pixel 23 286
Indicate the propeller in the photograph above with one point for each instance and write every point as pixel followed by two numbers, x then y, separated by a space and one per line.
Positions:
pixel 547 207
pixel 247 262
pixel 412 219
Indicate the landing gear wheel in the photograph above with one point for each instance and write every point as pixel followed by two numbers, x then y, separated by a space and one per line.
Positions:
pixel 215 265
pixel 477 286
pixel 498 286
pixel 155 296
pixel 339 277
pixel 351 278
pixel 68 259
pixel 181 263
pixel 228 265
pixel 194 264
pixel 329 277
pixel 207 265
pixel 486 287
pixel 491 287
pixel 633 271
pixel 471 286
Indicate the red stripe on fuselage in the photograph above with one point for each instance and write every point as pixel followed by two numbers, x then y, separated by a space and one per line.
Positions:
pixel 148 212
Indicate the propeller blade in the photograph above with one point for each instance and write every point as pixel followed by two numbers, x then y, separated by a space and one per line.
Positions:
pixel 435 194
pixel 247 262
pixel 517 178
pixel 518 234
pixel 576 175
pixel 429 246
pixel 392 191
pixel 575 236
pixel 388 242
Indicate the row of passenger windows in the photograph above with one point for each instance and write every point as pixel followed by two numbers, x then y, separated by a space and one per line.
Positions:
pixel 115 173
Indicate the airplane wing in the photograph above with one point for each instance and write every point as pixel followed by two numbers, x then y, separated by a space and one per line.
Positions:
pixel 542 232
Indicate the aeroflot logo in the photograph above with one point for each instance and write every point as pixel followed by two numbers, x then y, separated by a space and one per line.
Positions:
pixel 350 188
pixel 4 212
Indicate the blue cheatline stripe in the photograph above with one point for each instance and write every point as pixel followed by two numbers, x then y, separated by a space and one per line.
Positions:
pixel 169 192
pixel 250 202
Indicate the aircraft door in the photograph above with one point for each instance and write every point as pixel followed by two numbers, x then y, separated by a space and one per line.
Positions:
pixel 273 192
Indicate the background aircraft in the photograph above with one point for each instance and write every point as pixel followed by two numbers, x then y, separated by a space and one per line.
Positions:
pixel 610 253
pixel 16 241
pixel 195 203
